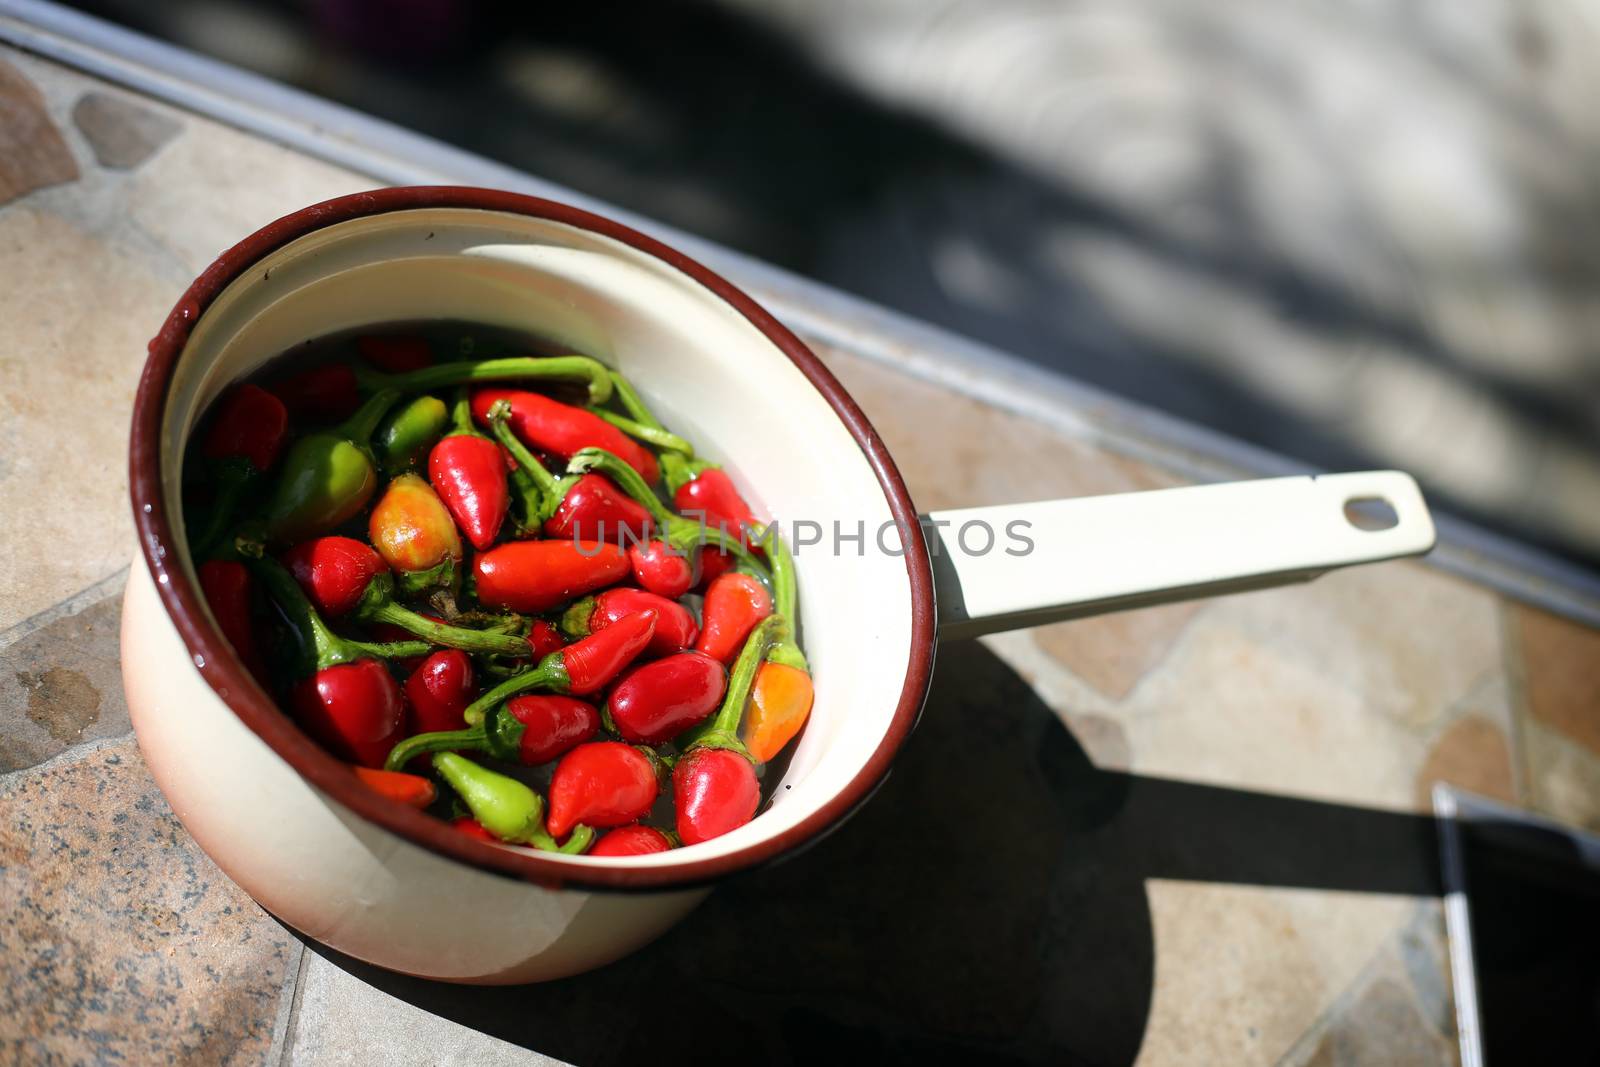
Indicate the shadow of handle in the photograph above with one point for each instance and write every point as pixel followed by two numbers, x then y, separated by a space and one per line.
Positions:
pixel 1202 833
pixel 1017 565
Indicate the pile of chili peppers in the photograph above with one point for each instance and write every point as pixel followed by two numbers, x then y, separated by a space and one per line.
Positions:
pixel 502 591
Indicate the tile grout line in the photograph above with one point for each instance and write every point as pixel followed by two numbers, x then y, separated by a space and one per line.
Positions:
pixel 78 602
pixel 76 752
pixel 1386 959
pixel 288 1009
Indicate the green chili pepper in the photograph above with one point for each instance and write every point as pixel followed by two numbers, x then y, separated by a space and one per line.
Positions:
pixel 328 476
pixel 504 806
pixel 403 441
pixel 316 647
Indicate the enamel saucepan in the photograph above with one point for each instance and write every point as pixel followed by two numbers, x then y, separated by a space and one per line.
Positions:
pixel 401 889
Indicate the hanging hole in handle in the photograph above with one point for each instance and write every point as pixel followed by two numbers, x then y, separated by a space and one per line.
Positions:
pixel 1370 513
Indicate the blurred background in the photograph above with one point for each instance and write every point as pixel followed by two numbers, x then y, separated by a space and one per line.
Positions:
pixel 1355 232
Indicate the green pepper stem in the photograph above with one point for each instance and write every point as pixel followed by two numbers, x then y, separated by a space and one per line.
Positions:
pixel 360 426
pixel 628 480
pixel 682 532
pixel 575 620
pixel 785 597
pixel 788 654
pixel 461 415
pixel 441 575
pixel 498 624
pixel 679 471
pixel 438 633
pixel 550 673
pixel 473 739
pixel 390 649
pixel 784 592
pixel 666 440
pixel 677 531
pixel 634 404
pixel 544 483
pixel 578 841
pixel 723 731
pixel 515 368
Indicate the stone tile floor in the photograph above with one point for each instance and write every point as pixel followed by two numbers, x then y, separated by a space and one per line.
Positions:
pixel 1182 834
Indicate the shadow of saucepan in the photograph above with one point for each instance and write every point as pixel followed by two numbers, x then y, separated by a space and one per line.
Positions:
pixel 988 905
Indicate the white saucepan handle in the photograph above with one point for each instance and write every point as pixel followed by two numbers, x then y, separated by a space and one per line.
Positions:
pixel 1061 559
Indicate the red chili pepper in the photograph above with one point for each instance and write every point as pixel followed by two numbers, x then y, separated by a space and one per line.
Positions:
pixel 714 563
pixel 244 439
pixel 711 495
pixel 678 532
pixel 578 506
pixel 593 508
pixel 662 569
pixel 551 725
pixel 354 709
pixel 581 668
pixel 227 587
pixel 249 422
pixel 531 730
pixel 551 426
pixel 439 691
pixel 325 393
pixel 603 783
pixel 631 841
pixel 535 576
pixel 469 473
pixel 345 698
pixel 412 790
pixel 733 606
pixel 714 783
pixel 676 629
pixel 545 638
pixel 344 577
pixel 395 354
pixel 334 572
pixel 715 791
pixel 590 664
pixel 473 828
pixel 659 700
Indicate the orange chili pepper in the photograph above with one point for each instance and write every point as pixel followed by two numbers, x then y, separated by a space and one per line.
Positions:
pixel 412 790
pixel 780 702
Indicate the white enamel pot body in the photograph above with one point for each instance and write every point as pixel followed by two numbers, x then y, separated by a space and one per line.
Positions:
pixel 400 889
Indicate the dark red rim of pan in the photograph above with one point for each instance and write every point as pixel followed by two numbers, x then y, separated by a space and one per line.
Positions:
pixel 223 671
